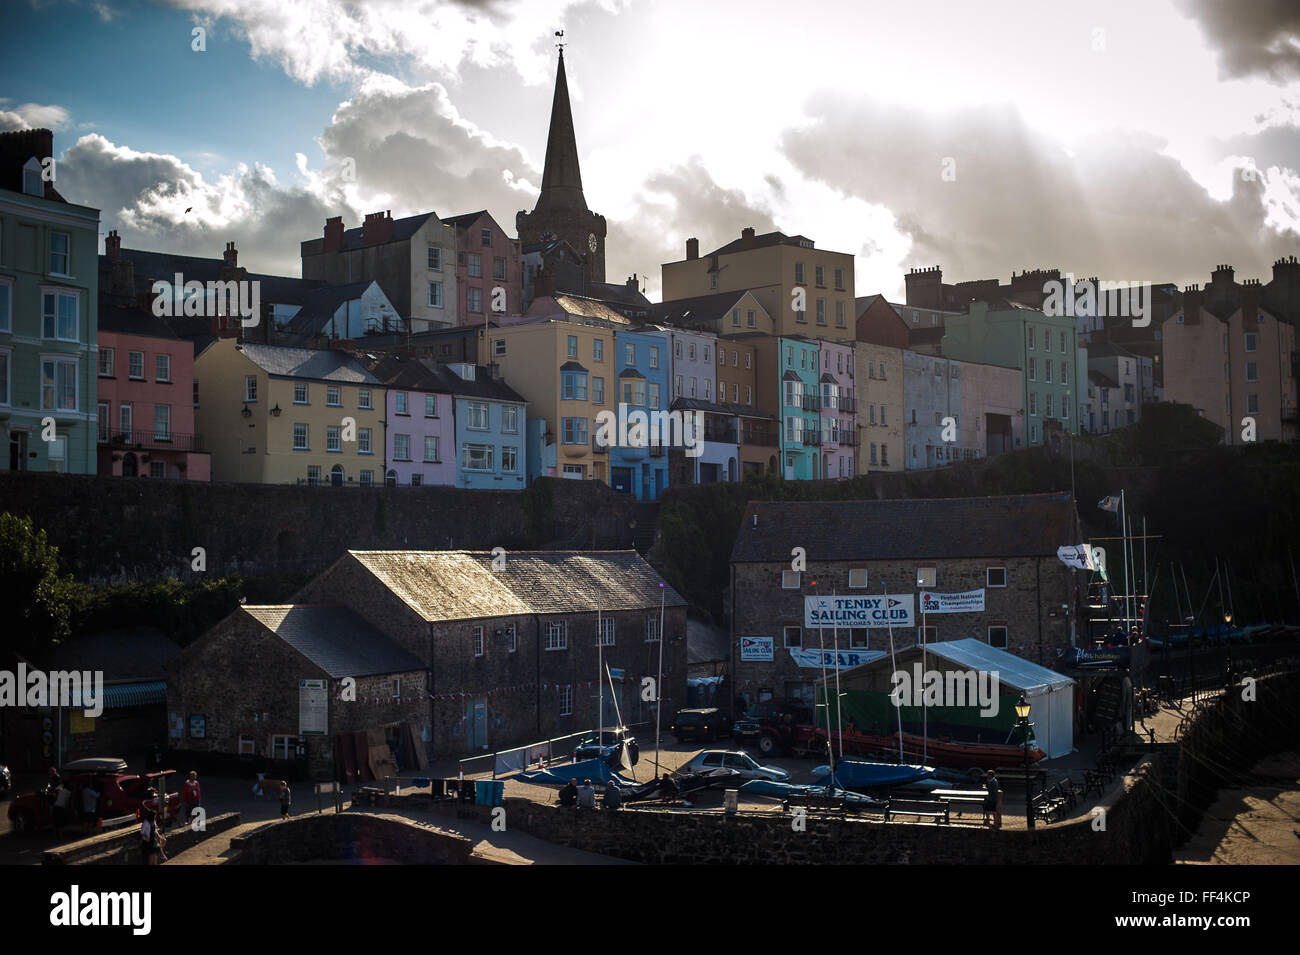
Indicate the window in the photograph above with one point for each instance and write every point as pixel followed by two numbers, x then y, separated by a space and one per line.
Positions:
pixel 692 391
pixel 748 395
pixel 566 699
pixel 735 393
pixel 789 580
pixel 162 367
pixel 435 259
pixel 995 577
pixel 883 422
pixel 872 413
pixel 1062 342
pixel 435 295
pixel 557 636
pixel 478 415
pixel 654 356
pixel 431 448
pixel 821 311
pixel 873 453
pixel 59 316
pixel 677 386
pixel 573 385
pixel 839 280
pixel 477 457
pixel 606 631
pixel 884 455
pixel 332 442
pixel 299 393
pixel 499 348
pixel 510 419
pixel 498 268
pixel 1033 370
pixel 881 374
pixel 998 636
pixel 749 318
pixel 1252 374
pixel 58 384
pixel 59 243
pixel 334 396
pixel 1063 373
pixel 708 387
pixel 793 637
pixel 1047 371
pixel 485 237
pixel 1250 341
pixel 597 350
pixel 313 475
pixel 839 314
pixel 1252 404
pixel 748 357
pixel 162 422
pixel 478 641
pixel 1033 402
pixel 512 642
pixel 135 365
pixel 713 280
pixel 798 274
pixel 106 363
pixel 820 273
pixel 367 479
pixel 1030 332
pixel 858 577
pixel 573 346
pixel 401 447
pixel 509 459
pixel 652 395
pixel 634 392
pixel 102 412
pixel 363 399
pixel 157 469
pixel 431 406
pixel 124 417
pixel 629 354
pixel 1047 340
pixel 598 390
pixel 363 441
pixel 475 300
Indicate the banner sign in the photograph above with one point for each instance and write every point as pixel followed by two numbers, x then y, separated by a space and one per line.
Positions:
pixel 858 611
pixel 829 659
pixel 969 601
pixel 1116 657
pixel 756 648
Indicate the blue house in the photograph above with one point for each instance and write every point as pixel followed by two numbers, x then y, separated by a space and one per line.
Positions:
pixel 491 445
pixel 798 369
pixel 638 458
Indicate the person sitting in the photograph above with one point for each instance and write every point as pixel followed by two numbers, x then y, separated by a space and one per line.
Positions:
pixel 613 795
pixel 668 788
pixel 569 794
pixel 587 795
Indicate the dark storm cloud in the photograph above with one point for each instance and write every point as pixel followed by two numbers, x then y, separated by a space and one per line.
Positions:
pixel 1118 208
pixel 1253 37
pixel 1273 146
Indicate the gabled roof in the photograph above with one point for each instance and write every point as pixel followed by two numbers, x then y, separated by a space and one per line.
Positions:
pixel 133 320
pixel 1013 671
pixel 619 295
pixel 315 363
pixel 706 643
pixel 403 229
pixel 1103 381
pixel 483 385
pixel 335 638
pixel 409 374
pixel 765 240
pixel 318 309
pixel 1028 525
pixel 700 309
pixel 461 585
pixel 465 220
pixel 163 266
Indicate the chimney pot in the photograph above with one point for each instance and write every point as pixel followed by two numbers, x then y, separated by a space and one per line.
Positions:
pixel 113 246
pixel 692 248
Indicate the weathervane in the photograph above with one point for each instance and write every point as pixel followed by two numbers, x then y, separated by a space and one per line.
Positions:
pixel 560 46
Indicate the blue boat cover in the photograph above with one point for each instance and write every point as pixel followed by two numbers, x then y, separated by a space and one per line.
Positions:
pixel 863 774
pixel 593 769
pixel 766 787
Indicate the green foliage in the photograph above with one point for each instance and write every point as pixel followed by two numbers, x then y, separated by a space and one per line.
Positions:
pixel 36 599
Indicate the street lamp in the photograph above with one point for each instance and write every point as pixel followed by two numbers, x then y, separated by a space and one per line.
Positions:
pixel 1022 714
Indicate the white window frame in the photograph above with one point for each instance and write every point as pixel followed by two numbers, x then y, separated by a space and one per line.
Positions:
pixel 250 388
pixel 509 419
pixel 988 576
pixel 162 367
pixel 478 641
pixel 333 439
pixel 606 631
pixel 58 294
pixel 67 253
pixel 476 412
pixel 363 400
pixel 557 635
pixel 365 444
pixel 306 435
pixel 399 439
pixel 860 575
pixel 333 396
pixel 166 433
pixel 790 579
pixel 652 630
pixel 58 360
pixel 433 259
pixel 434 439
pixel 785 637
pixel 566 699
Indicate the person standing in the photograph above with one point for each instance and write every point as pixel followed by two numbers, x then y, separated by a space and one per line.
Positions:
pixel 992 799
pixel 191 795
pixel 286 800
pixel 149 839
pixel 90 806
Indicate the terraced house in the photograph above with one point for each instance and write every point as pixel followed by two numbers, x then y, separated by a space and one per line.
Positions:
pixel 276 415
pixel 49 282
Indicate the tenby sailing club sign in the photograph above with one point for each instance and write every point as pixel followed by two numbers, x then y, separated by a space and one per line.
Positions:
pixel 859 611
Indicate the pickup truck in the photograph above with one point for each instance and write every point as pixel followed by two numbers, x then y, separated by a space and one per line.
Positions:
pixel 771 725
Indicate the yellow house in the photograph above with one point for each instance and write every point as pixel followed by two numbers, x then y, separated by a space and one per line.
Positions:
pixel 782 271
pixel 561 358
pixel 879 377
pixel 276 415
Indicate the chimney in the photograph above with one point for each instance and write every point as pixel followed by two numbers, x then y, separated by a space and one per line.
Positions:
pixel 692 249
pixel 377 229
pixel 747 237
pixel 334 234
pixel 1250 305
pixel 231 256
pixel 1192 304
pixel 113 246
pixel 632 282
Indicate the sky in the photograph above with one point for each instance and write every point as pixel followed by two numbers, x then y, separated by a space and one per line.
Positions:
pixel 1145 141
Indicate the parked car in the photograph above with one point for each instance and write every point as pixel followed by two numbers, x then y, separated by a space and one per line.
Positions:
pixel 608 746
pixel 770 725
pixel 738 760
pixel 122 793
pixel 707 722
pixel 6 780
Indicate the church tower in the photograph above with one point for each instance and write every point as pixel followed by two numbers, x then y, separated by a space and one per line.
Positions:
pixel 561 211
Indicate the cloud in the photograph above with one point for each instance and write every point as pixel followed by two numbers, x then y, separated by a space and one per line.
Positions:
pixel 32 116
pixel 1114 205
pixel 1254 37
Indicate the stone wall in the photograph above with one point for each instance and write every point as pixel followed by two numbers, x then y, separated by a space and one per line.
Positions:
pixel 350 837
pixel 123 846
pixel 127 529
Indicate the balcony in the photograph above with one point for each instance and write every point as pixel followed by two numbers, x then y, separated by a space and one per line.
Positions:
pixel 810 403
pixel 146 440
pixel 723 434
pixel 764 439
pixel 846 405
pixel 811 439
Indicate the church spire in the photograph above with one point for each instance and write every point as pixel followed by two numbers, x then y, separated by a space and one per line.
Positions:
pixel 561 177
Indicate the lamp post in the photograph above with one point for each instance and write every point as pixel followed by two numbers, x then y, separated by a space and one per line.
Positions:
pixel 1022 714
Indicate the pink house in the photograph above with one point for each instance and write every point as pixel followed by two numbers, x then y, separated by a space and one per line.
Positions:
pixel 145 408
pixel 838 410
pixel 420 425
pixel 486 259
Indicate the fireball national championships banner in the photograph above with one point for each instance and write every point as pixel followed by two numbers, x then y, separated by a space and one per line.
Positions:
pixel 857 611
pixel 971 601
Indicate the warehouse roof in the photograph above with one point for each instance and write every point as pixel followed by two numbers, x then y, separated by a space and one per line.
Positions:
pixel 335 639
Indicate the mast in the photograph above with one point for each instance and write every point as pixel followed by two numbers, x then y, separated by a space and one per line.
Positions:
pixel 659 682
pixel 600 682
pixel 839 714
pixel 894 663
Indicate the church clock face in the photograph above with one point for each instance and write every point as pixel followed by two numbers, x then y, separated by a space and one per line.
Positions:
pixel 591 241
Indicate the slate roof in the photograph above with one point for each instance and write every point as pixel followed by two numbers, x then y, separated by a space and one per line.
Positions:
pixel 1027 525
pixel 461 585
pixel 483 385
pixel 335 639
pixel 760 242
pixel 622 295
pixel 314 363
pixel 403 229
pixel 163 266
pixel 465 220
pixel 701 309
pixel 396 371
pixel 589 308
pixel 706 643
pixel 133 320
pixel 318 308
pixel 719 407
pixel 1105 381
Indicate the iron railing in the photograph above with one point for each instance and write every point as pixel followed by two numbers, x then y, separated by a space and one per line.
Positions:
pixel 150 440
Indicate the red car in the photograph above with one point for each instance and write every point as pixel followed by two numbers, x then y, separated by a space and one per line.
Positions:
pixel 121 793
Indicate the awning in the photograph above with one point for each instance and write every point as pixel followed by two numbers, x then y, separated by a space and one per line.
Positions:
pixel 121 695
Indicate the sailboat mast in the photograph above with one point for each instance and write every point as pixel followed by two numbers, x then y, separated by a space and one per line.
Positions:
pixel 839 713
pixel 600 682
pixel 893 662
pixel 659 681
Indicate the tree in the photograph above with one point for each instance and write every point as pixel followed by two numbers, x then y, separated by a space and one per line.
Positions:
pixel 33 593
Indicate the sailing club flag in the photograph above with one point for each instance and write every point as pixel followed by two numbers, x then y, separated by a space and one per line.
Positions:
pixel 1109 504
pixel 1079 556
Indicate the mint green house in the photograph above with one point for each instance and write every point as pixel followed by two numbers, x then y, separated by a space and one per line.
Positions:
pixel 49 288
pixel 1042 347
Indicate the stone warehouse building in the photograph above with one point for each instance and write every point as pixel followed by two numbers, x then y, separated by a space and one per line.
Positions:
pixel 1002 547
pixel 464 657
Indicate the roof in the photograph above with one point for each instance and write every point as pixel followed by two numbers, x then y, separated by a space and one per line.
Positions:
pixel 1027 525
pixel 698 309
pixel 465 220
pixel 403 229
pixel 706 643
pixel 761 241
pixel 314 363
pixel 1104 381
pixel 461 585
pixel 133 320
pixel 624 295
pixel 137 653
pixel 17 148
pixel 589 308
pixel 335 639
pixel 319 306
pixel 1013 671
pixel 719 407
pixel 483 385
pixel 163 266
pixel 407 373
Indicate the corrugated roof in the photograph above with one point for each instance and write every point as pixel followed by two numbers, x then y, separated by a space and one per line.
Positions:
pixel 315 363
pixel 1029 525
pixel 461 585
pixel 335 639
pixel 1013 671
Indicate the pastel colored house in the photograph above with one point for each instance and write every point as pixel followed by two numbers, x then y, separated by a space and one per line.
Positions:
pixel 642 359
pixel 839 427
pixel 420 431
pixel 490 437
pixel 486 259
pixel 798 374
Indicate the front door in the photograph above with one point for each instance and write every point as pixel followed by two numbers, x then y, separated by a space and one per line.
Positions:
pixel 621 480
pixel 476 724
pixel 18 451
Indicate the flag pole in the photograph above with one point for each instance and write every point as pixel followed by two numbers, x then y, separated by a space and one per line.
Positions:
pixel 894 663
pixel 839 713
pixel 600 684
pixel 660 680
